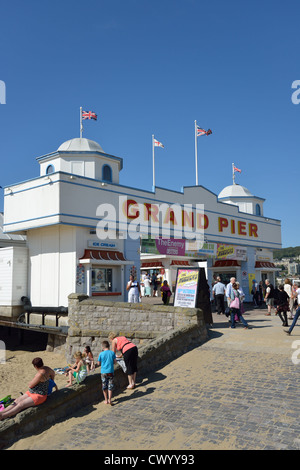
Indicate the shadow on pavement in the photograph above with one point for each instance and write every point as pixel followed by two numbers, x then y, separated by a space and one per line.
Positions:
pixel 133 395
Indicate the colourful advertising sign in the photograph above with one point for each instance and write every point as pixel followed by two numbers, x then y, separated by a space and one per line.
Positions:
pixel 181 247
pixel 186 288
pixel 170 246
pixel 163 246
pixel 177 247
pixel 231 252
pixel 193 248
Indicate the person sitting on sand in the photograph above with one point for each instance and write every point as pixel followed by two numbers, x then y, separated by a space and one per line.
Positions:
pixel 89 360
pixel 77 370
pixel 37 392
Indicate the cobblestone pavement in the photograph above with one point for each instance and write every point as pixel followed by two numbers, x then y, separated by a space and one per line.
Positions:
pixel 239 390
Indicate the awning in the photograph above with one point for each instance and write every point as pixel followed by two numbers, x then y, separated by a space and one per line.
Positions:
pixel 152 264
pixel 102 255
pixel 226 263
pixel 177 262
pixel 264 265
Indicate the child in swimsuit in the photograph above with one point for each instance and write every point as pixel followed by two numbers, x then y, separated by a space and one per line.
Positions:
pixel 89 359
pixel 77 370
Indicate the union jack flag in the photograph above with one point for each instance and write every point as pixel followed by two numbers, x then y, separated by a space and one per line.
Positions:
pixel 237 169
pixel 89 115
pixel 201 131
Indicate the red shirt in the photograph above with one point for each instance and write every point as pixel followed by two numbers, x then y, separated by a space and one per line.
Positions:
pixel 123 344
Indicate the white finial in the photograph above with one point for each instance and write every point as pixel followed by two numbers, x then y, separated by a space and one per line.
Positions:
pixel 81 128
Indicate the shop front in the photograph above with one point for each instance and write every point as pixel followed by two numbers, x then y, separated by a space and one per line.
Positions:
pixel 164 267
pixel 219 260
pixel 226 269
pixel 266 270
pixel 103 273
pixel 163 257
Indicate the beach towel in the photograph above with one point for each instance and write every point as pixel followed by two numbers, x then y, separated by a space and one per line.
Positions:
pixel 61 370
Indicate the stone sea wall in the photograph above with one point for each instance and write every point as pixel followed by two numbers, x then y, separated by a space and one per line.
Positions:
pixel 91 320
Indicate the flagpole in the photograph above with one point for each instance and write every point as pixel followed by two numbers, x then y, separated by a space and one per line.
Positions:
pixel 233 175
pixel 81 129
pixel 196 153
pixel 153 163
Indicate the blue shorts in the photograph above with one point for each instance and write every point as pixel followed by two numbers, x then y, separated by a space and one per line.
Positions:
pixel 107 381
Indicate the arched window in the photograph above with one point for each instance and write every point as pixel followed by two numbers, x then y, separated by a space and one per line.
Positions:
pixel 257 210
pixel 107 173
pixel 50 169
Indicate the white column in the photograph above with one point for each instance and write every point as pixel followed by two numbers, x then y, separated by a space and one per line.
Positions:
pixel 81 128
pixel 196 154
pixel 89 280
pixel 153 164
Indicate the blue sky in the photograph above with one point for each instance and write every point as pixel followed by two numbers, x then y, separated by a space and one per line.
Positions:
pixel 154 67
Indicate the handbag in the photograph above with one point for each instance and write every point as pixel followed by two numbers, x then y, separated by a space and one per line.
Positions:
pixel 235 303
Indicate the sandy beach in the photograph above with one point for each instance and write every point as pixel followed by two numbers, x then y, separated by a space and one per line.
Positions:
pixel 17 371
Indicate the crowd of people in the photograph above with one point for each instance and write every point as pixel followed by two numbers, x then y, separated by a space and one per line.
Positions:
pixel 151 288
pixel 285 300
pixel 234 296
pixel 43 383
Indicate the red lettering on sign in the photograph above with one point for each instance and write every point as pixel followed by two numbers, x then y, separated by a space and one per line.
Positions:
pixel 223 223
pixel 188 218
pixel 151 211
pixel 129 207
pixel 202 221
pixel 253 230
pixel 242 228
pixel 232 226
pixel 170 217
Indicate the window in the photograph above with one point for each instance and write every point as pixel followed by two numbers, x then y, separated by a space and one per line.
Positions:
pixel 225 276
pixel 107 173
pixel 49 169
pixel 101 280
pixel 257 209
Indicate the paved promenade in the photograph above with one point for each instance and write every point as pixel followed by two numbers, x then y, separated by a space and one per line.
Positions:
pixel 239 390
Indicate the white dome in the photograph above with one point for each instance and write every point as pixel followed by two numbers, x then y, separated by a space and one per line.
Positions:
pixel 234 190
pixel 80 145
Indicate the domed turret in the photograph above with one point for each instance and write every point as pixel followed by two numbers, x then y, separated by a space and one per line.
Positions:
pixel 80 145
pixel 243 198
pixel 234 190
pixel 82 157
